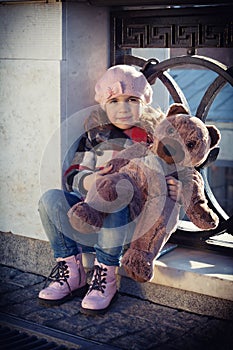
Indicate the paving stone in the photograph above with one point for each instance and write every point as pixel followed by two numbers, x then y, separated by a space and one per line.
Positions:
pixel 71 307
pixel 45 315
pixel 27 279
pixel 74 325
pixel 19 278
pixel 20 310
pixel 212 334
pixel 7 288
pixel 20 295
pixel 148 337
pixel 183 321
pixel 102 334
pixel 7 272
pixel 131 323
pixel 218 334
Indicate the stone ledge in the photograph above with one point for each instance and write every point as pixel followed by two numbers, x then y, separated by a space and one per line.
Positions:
pixel 26 254
pixel 190 280
pixel 196 271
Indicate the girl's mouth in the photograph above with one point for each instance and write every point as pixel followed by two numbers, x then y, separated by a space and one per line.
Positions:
pixel 124 119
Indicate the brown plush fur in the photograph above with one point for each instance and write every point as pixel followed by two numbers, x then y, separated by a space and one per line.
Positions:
pixel 181 143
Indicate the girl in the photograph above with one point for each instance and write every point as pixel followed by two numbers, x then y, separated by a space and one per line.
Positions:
pixel 123 117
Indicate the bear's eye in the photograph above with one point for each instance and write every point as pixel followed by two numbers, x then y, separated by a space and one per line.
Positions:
pixel 170 130
pixel 191 144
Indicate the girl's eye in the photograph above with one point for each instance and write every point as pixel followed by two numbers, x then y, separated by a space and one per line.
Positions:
pixel 191 144
pixel 134 100
pixel 113 101
pixel 170 130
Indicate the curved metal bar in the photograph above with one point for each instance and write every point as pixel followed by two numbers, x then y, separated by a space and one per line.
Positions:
pixel 133 60
pixel 170 84
pixel 209 63
pixel 173 89
pixel 209 97
pixel 211 198
pixel 153 69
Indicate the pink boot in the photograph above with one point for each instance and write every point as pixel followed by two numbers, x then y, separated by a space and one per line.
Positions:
pixel 68 280
pixel 102 291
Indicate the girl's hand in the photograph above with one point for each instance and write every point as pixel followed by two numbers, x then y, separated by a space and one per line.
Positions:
pixel 90 179
pixel 174 188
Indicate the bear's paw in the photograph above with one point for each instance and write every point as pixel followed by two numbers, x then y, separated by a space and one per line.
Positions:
pixel 85 219
pixel 138 265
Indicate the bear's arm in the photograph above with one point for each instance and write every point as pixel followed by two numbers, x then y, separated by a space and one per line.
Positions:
pixel 137 150
pixel 195 202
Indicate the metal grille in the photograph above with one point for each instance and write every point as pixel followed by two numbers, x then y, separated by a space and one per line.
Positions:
pixel 189 28
pixel 15 339
pixel 19 334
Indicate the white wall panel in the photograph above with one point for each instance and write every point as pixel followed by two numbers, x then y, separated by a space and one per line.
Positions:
pixel 30 53
pixel 30 31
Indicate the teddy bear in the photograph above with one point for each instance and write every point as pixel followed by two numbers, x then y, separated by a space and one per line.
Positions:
pixel 180 145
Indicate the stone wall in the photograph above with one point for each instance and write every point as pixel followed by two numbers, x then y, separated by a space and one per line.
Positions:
pixel 50 57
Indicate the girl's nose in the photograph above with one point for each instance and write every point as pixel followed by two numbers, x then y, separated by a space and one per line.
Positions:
pixel 123 106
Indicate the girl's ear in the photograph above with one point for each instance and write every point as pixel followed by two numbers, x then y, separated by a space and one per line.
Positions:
pixel 177 108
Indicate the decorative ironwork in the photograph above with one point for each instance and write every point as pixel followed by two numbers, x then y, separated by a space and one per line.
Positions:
pixel 153 69
pixel 190 28
pixel 171 28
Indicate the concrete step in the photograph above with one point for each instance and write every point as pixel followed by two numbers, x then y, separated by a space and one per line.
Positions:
pixel 196 271
pixel 193 280
pixel 190 270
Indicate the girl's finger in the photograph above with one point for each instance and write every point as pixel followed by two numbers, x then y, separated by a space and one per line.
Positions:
pixel 105 170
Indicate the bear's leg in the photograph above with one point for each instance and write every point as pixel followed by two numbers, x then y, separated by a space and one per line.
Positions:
pixel 85 219
pixel 157 222
pixel 110 193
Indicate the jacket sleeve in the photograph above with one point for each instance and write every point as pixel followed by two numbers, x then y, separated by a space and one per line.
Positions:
pixel 83 164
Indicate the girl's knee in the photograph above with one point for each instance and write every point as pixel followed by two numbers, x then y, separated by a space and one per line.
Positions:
pixel 50 198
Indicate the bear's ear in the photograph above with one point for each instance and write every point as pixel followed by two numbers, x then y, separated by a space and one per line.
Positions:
pixel 215 135
pixel 177 108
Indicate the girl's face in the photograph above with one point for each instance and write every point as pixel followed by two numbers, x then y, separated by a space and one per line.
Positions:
pixel 124 111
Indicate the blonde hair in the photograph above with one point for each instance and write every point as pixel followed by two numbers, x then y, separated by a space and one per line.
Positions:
pixel 97 118
pixel 150 118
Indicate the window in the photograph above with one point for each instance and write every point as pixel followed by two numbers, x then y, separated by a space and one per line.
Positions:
pixel 203 31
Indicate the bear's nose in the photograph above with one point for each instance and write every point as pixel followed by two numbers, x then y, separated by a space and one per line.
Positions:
pixel 169 150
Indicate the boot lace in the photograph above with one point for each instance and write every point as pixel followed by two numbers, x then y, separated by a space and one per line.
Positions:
pixel 60 274
pixel 99 279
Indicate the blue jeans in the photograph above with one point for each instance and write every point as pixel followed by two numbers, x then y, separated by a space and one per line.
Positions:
pixel 108 243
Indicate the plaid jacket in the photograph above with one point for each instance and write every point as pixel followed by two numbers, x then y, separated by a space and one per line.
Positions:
pixel 96 147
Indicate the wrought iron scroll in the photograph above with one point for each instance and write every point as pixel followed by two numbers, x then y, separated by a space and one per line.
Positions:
pixel 190 28
pixel 171 28
pixel 153 69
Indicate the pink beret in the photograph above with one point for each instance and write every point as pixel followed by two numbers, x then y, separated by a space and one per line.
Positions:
pixel 122 80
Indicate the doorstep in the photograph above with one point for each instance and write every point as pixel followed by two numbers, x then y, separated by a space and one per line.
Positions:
pixel 196 271
pixel 184 278
pixel 191 270
pixel 204 272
